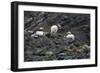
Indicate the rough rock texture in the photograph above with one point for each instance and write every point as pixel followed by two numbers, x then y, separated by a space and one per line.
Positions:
pixel 56 47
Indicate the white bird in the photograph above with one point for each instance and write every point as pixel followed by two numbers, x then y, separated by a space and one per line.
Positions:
pixel 40 32
pixel 54 28
pixel 70 37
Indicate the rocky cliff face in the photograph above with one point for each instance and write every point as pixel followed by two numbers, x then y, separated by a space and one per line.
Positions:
pixel 56 47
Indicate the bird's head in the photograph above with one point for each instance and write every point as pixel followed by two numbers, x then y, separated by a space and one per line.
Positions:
pixel 41 28
pixel 68 32
pixel 59 26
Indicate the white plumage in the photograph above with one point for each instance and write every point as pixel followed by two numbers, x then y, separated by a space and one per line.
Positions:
pixel 54 29
pixel 70 37
pixel 39 32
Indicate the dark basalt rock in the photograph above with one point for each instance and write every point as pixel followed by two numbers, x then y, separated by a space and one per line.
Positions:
pixel 36 48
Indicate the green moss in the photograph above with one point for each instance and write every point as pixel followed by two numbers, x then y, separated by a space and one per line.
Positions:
pixel 83 47
pixel 49 53
pixel 80 50
pixel 76 49
pixel 68 50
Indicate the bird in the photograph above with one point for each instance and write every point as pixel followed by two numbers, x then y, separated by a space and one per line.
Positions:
pixel 38 33
pixel 54 28
pixel 70 37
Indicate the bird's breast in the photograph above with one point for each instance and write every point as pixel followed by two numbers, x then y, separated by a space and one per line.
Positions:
pixel 54 28
pixel 40 33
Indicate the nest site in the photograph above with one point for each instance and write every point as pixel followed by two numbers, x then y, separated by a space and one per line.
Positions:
pixel 56 47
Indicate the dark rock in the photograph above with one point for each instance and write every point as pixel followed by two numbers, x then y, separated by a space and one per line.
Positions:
pixel 36 48
pixel 38 58
pixel 38 51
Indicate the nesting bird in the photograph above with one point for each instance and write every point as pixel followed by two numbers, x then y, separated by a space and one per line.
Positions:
pixel 70 37
pixel 54 28
pixel 38 33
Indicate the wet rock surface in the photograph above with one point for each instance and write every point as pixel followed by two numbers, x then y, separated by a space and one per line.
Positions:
pixel 56 47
